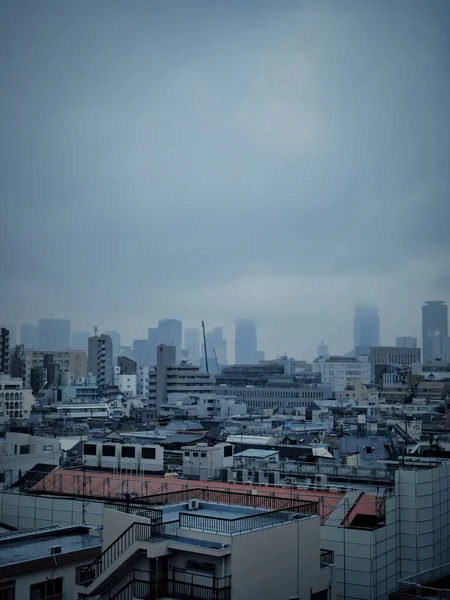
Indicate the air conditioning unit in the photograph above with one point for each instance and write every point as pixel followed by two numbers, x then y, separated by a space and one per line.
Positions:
pixel 55 550
pixel 321 480
pixel 194 504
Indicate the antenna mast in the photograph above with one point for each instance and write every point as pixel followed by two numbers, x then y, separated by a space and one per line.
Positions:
pixel 204 346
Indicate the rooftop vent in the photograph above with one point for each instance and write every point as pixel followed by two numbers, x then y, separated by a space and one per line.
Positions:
pixel 55 550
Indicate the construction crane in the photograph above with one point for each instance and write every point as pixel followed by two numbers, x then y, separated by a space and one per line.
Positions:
pixel 204 345
pixel 217 362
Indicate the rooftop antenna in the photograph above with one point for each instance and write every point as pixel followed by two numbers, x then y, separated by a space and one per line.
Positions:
pixel 204 345
pixel 95 330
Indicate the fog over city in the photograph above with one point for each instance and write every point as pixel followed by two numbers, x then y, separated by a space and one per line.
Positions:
pixel 205 160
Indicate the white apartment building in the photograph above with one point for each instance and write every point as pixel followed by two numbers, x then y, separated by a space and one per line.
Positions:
pixel 223 549
pixel 15 402
pixel 143 385
pixel 206 462
pixel 20 452
pixel 127 384
pixel 340 371
pixel 204 405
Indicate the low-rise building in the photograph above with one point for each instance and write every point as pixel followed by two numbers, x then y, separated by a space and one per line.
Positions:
pixel 206 462
pixel 339 371
pixel 15 401
pixel 72 361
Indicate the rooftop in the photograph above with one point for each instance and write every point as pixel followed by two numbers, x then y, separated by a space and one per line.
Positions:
pixel 255 453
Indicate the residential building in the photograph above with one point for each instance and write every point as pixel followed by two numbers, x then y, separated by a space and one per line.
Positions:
pixel 127 366
pixel 366 328
pixel 84 390
pixel 201 406
pixel 15 401
pixel 152 345
pixel 406 342
pixel 18 363
pixel 20 452
pixel 29 336
pixel 39 564
pixel 54 334
pixel 225 551
pixel 143 384
pixel 192 345
pixel 322 349
pixel 339 371
pixel 100 359
pixel 115 338
pixel 72 361
pixel 127 384
pixel 166 356
pixel 246 344
pixel 170 334
pixel 79 340
pixel 392 356
pixel 4 350
pixel 141 351
pixel 434 323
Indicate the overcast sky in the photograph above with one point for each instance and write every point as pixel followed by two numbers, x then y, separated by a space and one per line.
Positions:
pixel 221 159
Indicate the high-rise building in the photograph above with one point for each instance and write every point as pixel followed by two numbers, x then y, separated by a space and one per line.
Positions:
pixel 100 359
pixel 152 345
pixel 441 348
pixel 246 344
pixel 322 349
pixel 115 337
pixel 4 350
pixel 29 336
pixel 54 334
pixel 141 352
pixel 406 342
pixel 192 344
pixel 366 329
pixel 170 334
pixel 216 342
pixel 166 356
pixel 260 356
pixel 79 340
pixel 434 323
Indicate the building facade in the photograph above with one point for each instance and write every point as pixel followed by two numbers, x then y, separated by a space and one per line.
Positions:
pixel 340 371
pixel 434 323
pixel 4 350
pixel 366 328
pixel 15 401
pixel 170 332
pixel 72 361
pixel 392 356
pixel 258 398
pixel 100 359
pixel 407 341
pixel 246 343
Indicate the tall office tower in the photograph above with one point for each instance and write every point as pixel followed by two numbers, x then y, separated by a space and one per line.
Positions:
pixel 100 359
pixel 192 344
pixel 170 334
pixel 115 337
pixel 141 352
pixel 406 342
pixel 215 341
pixel 79 340
pixel 434 323
pixel 54 334
pixel 29 336
pixel 245 342
pixel 322 349
pixel 166 356
pixel 4 350
pixel 366 328
pixel 153 342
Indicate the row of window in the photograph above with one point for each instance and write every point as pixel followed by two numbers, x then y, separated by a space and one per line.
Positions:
pixel 126 451
pixel 51 588
pixel 11 396
pixel 254 393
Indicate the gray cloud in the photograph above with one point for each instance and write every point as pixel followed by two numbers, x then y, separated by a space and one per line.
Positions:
pixel 210 160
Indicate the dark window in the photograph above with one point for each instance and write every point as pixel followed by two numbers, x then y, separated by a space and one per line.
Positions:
pixel 228 451
pixel 187 453
pixel 369 449
pixel 8 590
pixel 193 565
pixel 25 449
pixel 322 595
pixel 108 450
pixel 52 588
pixel 128 451
pixel 90 450
pixel 149 453
pixel 195 454
pixel 203 454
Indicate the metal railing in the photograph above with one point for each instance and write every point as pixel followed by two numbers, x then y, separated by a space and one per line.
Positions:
pixel 137 532
pixel 246 523
pixel 326 558
pixel 153 514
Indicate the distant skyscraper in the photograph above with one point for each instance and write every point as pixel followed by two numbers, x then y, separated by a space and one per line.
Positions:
pixel 54 334
pixel 4 350
pixel 141 352
pixel 216 341
pixel 245 342
pixel 152 345
pixel 100 359
pixel 406 342
pixel 434 323
pixel 260 356
pixel 29 336
pixel 366 328
pixel 79 340
pixel 322 349
pixel 115 337
pixel 192 344
pixel 170 334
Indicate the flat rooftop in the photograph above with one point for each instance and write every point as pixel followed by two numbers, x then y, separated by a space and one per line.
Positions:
pixel 25 546
pixel 211 509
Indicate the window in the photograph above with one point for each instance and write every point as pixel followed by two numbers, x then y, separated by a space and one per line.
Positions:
pixel 25 449
pixel 8 590
pixel 151 453
pixel 195 454
pixel 187 453
pixel 128 451
pixel 108 450
pixel 90 449
pixel 228 450
pixel 51 588
pixel 203 454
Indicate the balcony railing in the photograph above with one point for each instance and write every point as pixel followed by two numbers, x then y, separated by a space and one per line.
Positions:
pixel 137 532
pixel 326 558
